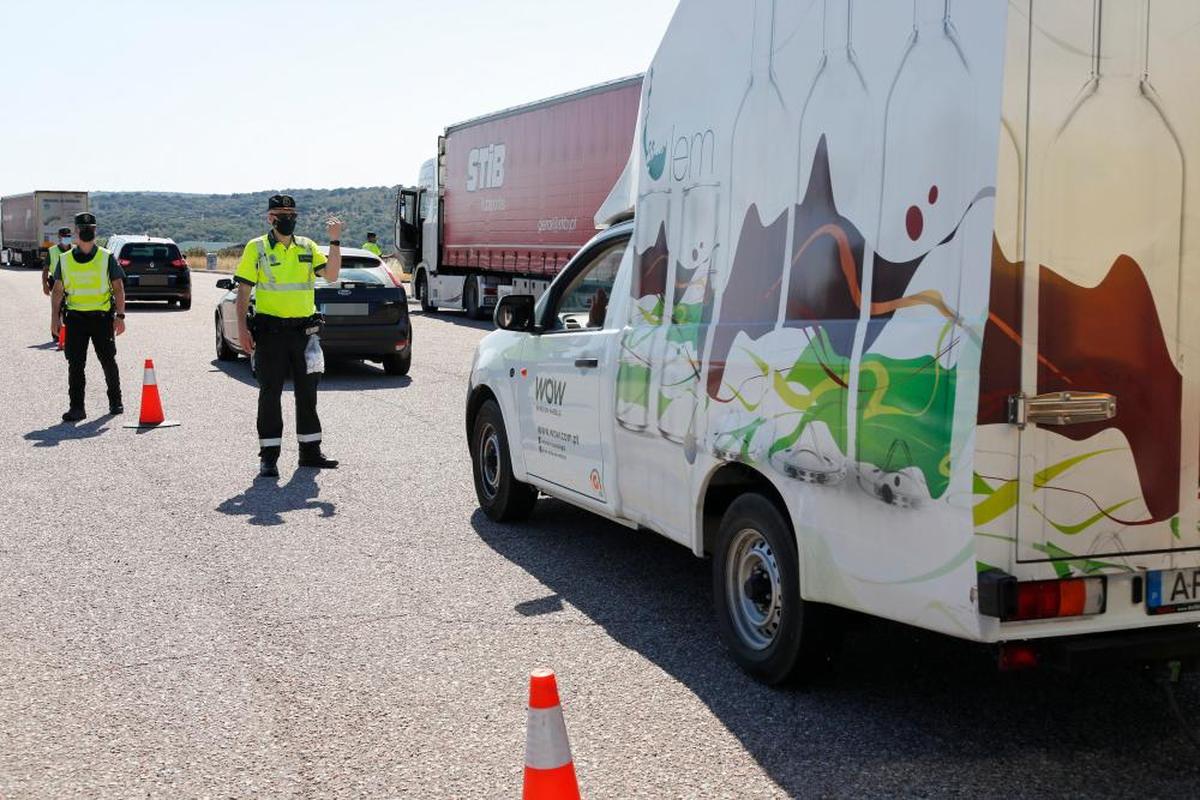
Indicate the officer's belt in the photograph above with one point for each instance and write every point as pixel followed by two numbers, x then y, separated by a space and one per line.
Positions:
pixel 265 323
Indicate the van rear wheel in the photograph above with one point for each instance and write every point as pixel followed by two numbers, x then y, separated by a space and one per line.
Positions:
pixel 770 631
pixel 501 496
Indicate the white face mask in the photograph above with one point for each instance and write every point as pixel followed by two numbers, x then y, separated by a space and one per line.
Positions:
pixel 65 241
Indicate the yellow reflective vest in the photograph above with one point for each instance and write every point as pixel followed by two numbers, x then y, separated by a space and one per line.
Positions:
pixel 88 286
pixel 284 277
pixel 52 257
pixel 373 248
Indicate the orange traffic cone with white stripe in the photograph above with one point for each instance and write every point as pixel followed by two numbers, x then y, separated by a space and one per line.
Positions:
pixel 152 409
pixel 549 770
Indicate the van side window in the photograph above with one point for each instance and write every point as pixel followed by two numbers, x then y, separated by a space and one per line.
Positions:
pixel 584 303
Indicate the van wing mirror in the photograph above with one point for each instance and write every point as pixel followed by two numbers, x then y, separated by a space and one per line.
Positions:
pixel 515 313
pixel 225 283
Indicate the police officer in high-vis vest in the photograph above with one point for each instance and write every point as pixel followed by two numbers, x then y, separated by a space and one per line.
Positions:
pixel 61 246
pixel 372 246
pixel 94 285
pixel 282 268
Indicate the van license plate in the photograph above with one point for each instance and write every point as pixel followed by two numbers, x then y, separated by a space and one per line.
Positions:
pixel 152 280
pixel 1171 591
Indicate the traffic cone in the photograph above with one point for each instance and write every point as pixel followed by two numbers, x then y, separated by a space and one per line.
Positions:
pixel 152 410
pixel 549 770
pixel 62 336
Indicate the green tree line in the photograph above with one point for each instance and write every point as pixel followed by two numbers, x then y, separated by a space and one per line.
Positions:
pixel 240 217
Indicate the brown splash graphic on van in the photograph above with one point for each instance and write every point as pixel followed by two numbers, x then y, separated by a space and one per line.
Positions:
pixel 825 276
pixel 652 268
pixel 1106 339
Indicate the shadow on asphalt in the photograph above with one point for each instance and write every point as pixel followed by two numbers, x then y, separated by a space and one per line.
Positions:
pixel 896 701
pixel 457 318
pixel 68 432
pixel 266 500
pixel 340 375
pixel 47 345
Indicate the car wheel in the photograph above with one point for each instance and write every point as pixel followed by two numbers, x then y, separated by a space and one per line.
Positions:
pixel 224 351
pixel 501 496
pixel 397 363
pixel 771 632
pixel 185 304
pixel 422 290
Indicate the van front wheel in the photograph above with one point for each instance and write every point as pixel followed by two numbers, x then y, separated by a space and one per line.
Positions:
pixel 501 496
pixel 770 631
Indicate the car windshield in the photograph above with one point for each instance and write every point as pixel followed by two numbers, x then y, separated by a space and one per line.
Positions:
pixel 150 252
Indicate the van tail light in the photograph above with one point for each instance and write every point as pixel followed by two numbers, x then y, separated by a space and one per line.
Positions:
pixel 179 263
pixel 1071 597
pixel 125 262
pixel 1016 656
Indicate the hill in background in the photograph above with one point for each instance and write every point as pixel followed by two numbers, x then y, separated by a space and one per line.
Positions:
pixel 240 217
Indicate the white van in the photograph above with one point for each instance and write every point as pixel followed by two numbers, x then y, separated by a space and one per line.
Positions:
pixel 901 324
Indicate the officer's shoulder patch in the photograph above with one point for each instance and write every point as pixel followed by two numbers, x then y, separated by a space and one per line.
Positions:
pixel 306 258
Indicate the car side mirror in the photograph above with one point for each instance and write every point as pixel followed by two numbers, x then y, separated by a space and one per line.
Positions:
pixel 514 312
pixel 225 283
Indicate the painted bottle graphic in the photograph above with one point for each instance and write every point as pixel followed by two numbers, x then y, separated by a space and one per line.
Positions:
pixel 931 178
pixel 681 390
pixel 757 220
pixel 836 189
pixel 648 291
pixel 1113 208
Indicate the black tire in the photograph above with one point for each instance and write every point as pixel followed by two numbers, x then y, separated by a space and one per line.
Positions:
pixel 792 643
pixel 422 290
pixel 224 351
pixel 185 304
pixel 397 363
pixel 471 299
pixel 501 496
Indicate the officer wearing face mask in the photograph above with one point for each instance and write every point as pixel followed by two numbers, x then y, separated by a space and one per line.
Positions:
pixel 94 285
pixel 61 246
pixel 281 268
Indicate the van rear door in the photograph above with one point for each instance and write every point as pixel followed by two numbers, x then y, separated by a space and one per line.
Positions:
pixel 1107 310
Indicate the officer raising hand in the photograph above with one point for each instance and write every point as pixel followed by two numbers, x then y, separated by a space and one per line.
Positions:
pixel 281 269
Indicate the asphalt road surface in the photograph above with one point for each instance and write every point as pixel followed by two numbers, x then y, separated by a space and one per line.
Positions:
pixel 171 627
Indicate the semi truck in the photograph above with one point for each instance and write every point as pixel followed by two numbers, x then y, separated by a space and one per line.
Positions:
pixel 511 196
pixel 29 223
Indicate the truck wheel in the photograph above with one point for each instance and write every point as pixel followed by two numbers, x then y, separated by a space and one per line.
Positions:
pixel 422 290
pixel 772 634
pixel 501 496
pixel 397 363
pixel 471 299
pixel 224 351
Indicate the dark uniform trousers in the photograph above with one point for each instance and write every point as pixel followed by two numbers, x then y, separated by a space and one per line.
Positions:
pixel 95 327
pixel 279 353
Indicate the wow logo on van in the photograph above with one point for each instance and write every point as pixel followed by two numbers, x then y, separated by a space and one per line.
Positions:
pixel 549 395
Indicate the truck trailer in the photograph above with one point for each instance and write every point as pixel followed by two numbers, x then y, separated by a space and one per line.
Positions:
pixel 511 196
pixel 29 224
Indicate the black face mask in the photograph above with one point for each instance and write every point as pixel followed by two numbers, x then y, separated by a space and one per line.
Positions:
pixel 87 234
pixel 285 225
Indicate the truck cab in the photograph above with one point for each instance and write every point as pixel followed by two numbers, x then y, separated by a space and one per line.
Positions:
pixel 881 336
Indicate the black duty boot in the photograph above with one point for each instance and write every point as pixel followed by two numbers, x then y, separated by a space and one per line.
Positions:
pixel 313 457
pixel 116 408
pixel 268 469
pixel 74 415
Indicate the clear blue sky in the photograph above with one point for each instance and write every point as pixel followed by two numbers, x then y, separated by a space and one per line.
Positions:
pixel 230 96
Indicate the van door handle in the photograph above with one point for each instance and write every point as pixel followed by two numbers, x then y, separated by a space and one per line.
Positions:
pixel 1061 408
pixel 587 363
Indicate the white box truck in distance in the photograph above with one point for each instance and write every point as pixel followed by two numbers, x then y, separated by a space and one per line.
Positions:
pixel 904 324
pixel 29 224
pixel 511 196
